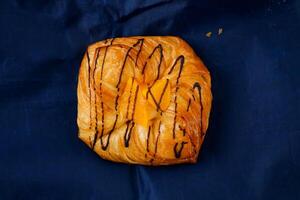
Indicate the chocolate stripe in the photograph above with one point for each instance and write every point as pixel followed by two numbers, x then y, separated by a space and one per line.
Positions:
pixel 157 105
pixel 197 85
pixel 181 59
pixel 140 41
pixel 120 76
pixel 101 95
pixel 148 135
pixel 160 49
pixel 189 104
pixel 129 99
pixel 89 86
pixel 127 135
pixel 138 54
pixel 156 143
pixel 193 97
pixel 90 140
pixel 184 132
pixel 162 94
pixel 104 147
pixel 178 153
pixel 95 100
pixel 134 105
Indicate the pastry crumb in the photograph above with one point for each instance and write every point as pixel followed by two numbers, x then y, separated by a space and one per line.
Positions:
pixel 220 31
pixel 208 34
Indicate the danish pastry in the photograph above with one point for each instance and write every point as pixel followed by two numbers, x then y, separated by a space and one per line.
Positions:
pixel 143 100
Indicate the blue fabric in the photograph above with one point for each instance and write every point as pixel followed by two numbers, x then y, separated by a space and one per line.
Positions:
pixel 252 148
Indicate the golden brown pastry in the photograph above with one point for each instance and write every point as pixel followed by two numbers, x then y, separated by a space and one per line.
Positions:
pixel 143 100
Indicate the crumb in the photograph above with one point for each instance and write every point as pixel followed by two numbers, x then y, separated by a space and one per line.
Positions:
pixel 220 31
pixel 208 34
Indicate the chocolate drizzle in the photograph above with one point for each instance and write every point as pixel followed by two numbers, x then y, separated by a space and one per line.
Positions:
pixel 156 142
pixel 97 51
pixel 95 100
pixel 135 98
pixel 156 103
pixel 129 56
pixel 162 95
pixel 189 104
pixel 140 41
pixel 90 140
pixel 193 97
pixel 121 73
pixel 89 86
pixel 140 49
pixel 148 135
pixel 101 95
pixel 127 110
pixel 178 153
pixel 183 132
pixel 128 133
pixel 181 59
pixel 159 48
pixel 100 88
pixel 104 147
pixel 197 85
pixel 101 100
pixel 130 124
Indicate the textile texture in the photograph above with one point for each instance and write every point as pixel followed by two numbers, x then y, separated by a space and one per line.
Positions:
pixel 252 146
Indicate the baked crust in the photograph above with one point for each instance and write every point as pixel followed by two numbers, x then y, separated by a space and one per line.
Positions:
pixel 143 100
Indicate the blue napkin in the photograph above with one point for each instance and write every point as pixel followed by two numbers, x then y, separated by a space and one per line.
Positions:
pixel 252 147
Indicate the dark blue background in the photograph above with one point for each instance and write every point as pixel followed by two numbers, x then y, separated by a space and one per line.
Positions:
pixel 252 148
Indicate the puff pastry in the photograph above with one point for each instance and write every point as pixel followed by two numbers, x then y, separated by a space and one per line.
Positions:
pixel 143 100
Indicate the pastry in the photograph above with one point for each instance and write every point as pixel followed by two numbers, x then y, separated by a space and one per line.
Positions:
pixel 143 100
